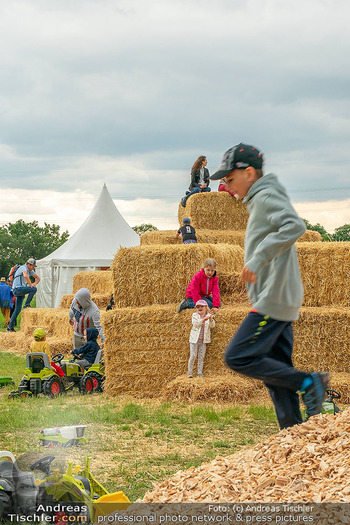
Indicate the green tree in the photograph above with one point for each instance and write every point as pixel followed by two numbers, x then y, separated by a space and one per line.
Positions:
pixel 342 233
pixel 21 240
pixel 318 228
pixel 143 228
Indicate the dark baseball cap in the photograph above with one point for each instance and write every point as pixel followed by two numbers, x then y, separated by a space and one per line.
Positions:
pixel 238 157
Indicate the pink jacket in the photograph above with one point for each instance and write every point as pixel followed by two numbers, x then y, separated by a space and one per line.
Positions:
pixel 203 286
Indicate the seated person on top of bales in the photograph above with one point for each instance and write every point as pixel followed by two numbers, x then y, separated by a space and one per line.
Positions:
pixel 83 314
pixel 88 352
pixel 204 285
pixel 199 179
pixel 186 232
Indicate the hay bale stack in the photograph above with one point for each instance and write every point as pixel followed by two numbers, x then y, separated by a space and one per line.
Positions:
pixel 101 300
pixel 203 236
pixel 212 237
pixel 160 274
pixel 148 347
pixel 217 210
pixel 98 282
pixel 53 320
pixel 305 463
pixel 325 273
pixel 230 387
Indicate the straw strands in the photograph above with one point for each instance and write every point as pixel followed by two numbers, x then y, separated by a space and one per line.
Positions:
pixel 101 300
pixel 53 320
pixel 325 270
pixel 148 347
pixel 212 237
pixel 225 388
pixel 98 282
pixel 160 274
pixel 304 463
pixel 217 210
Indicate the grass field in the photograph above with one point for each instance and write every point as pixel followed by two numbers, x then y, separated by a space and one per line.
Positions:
pixel 133 443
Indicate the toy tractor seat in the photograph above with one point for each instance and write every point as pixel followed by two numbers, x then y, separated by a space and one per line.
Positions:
pixel 99 357
pixel 37 361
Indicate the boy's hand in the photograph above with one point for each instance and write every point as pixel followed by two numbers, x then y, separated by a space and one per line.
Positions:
pixel 247 275
pixel 71 322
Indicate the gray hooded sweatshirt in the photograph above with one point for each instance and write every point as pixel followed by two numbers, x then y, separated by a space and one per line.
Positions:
pixel 273 227
pixel 88 316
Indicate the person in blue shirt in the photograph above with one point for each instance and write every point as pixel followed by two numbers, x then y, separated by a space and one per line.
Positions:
pixel 5 300
pixel 22 286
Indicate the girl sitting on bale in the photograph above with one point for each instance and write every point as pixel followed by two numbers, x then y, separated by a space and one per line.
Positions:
pixel 202 321
pixel 204 285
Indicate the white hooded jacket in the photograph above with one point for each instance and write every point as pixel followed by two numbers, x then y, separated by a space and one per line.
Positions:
pixel 88 316
pixel 196 328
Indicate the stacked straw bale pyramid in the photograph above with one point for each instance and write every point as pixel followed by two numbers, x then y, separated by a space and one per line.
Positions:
pixel 146 349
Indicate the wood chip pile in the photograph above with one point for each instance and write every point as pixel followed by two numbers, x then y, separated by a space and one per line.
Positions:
pixel 148 347
pixel 306 463
pixel 217 210
pixel 98 282
pixel 160 274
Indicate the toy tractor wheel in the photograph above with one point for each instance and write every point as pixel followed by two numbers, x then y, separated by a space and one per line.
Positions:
pixel 53 387
pixel 14 395
pixel 26 393
pixel 91 382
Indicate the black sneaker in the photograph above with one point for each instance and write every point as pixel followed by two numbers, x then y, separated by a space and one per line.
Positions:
pixel 10 329
pixel 26 306
pixel 183 202
pixel 313 396
pixel 182 306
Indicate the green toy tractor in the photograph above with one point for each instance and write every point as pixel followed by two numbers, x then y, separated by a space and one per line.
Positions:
pixel 60 498
pixel 41 378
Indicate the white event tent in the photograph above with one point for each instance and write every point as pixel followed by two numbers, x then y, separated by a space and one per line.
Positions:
pixel 92 247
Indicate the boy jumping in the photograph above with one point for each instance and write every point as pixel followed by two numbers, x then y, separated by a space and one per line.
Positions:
pixel 262 347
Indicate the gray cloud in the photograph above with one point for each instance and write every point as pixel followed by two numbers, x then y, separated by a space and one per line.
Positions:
pixel 131 92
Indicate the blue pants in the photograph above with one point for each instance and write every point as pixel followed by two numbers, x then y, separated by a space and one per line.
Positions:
pixel 195 190
pixel 20 292
pixel 208 300
pixel 262 348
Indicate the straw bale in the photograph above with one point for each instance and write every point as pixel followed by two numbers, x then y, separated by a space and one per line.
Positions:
pixel 53 320
pixel 325 271
pixel 310 236
pixel 160 274
pixel 341 383
pixel 304 463
pixel 101 300
pixel 217 210
pixel 99 282
pixel 212 237
pixel 148 347
pixel 203 236
pixel 229 387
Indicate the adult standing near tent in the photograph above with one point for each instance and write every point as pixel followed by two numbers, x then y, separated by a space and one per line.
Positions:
pixel 199 179
pixel 83 314
pixel 22 286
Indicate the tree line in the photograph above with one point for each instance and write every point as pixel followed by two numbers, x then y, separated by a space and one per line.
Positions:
pixel 20 240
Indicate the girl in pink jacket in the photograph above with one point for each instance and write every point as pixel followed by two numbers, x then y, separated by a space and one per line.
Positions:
pixel 204 285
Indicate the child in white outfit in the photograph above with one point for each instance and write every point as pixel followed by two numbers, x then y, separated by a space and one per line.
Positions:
pixel 202 321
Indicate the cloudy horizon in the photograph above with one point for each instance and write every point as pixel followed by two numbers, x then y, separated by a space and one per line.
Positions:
pixel 130 93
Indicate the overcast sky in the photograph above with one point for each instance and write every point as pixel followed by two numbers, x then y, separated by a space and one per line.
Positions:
pixel 131 92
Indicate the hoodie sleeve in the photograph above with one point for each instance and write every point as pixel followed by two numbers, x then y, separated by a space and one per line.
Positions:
pixel 287 228
pixel 216 292
pixel 195 287
pixel 96 317
pixel 80 351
